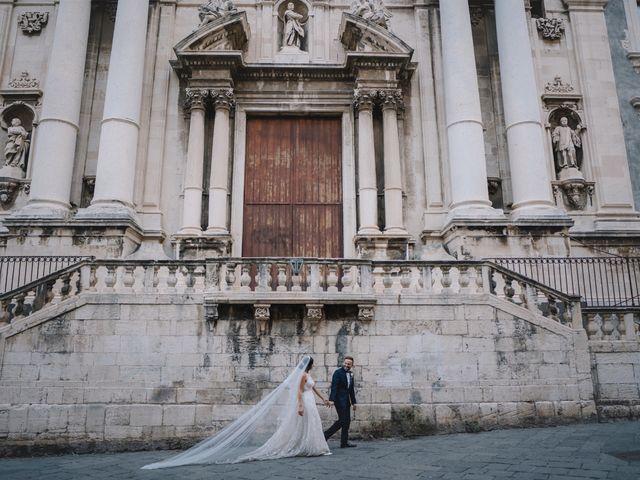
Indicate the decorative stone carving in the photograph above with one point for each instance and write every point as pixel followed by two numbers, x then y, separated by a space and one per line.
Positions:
pixel 16 148
pixel 211 315
pixel 32 22
pixel 391 99
pixel 477 14
pixel 293 33
pixel 558 86
pixel 373 11
pixel 214 10
pixel 575 193
pixel 24 81
pixel 262 315
pixel 565 142
pixel 366 313
pixel 314 311
pixel 8 190
pixel 223 98
pixel 196 97
pixel 551 28
pixel 364 99
pixel 88 188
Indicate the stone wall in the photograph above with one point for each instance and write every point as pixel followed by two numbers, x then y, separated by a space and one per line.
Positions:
pixel 133 371
pixel 616 379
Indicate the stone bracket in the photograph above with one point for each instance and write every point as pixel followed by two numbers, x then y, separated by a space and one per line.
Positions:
pixel 262 316
pixel 575 193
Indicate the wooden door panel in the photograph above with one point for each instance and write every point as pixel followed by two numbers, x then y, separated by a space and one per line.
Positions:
pixel 267 231
pixel 293 187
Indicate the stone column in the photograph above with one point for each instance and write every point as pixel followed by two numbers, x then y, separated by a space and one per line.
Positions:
pixel 219 179
pixel 467 165
pixel 391 102
pixel 192 202
pixel 368 189
pixel 121 119
pixel 530 174
pixel 54 151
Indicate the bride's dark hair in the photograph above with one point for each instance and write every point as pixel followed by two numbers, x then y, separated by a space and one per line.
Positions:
pixel 309 365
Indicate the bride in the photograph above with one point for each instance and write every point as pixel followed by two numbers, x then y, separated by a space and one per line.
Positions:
pixel 286 423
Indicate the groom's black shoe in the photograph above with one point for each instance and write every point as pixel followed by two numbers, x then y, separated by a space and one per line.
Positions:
pixel 348 445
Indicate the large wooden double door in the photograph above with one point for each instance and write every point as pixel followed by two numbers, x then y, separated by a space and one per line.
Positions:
pixel 293 187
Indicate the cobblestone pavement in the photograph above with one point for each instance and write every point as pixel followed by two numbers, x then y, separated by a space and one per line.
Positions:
pixel 609 451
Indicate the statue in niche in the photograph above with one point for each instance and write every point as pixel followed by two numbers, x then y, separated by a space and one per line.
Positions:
pixel 374 12
pixel 293 28
pixel 215 9
pixel 15 150
pixel 565 141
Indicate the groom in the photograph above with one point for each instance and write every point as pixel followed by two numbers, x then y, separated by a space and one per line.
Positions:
pixel 342 396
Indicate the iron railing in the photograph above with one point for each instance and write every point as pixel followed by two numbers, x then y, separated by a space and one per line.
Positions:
pixel 612 282
pixel 16 272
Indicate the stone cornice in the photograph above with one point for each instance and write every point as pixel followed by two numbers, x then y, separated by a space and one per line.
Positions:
pixel 586 5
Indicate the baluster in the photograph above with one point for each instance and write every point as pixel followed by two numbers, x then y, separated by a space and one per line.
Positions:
pixel 93 278
pixel 245 278
pixel 332 278
pixel 387 280
pixel 347 279
pixel 464 279
pixel 110 279
pixel 296 279
pixel 607 327
pixel 230 277
pixel 420 278
pixel 405 279
pixel 189 279
pixel 172 279
pixel 365 278
pixel 5 314
pixel 567 314
pixel 281 277
pixel 594 327
pixel 493 283
pixel 615 334
pixel 446 279
pixel 509 291
pixel 18 309
pixel 552 307
pixel 128 279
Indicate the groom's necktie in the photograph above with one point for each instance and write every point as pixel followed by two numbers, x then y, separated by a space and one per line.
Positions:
pixel 348 379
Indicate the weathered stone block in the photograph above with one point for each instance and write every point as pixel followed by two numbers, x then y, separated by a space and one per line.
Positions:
pixel 145 415
pixel 178 415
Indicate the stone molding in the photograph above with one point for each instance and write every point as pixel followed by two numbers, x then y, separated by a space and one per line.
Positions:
pixel 32 22
pixel 364 99
pixel 201 97
pixel 558 86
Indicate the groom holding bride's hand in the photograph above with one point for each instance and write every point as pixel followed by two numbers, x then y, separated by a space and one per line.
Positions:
pixel 342 396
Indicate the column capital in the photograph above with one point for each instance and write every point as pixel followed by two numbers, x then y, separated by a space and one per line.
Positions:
pixel 223 98
pixel 391 99
pixel 364 99
pixel 195 98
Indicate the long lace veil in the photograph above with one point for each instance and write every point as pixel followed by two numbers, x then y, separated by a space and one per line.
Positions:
pixel 251 430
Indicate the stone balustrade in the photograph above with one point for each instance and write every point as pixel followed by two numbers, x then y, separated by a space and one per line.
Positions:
pixel 614 324
pixel 312 282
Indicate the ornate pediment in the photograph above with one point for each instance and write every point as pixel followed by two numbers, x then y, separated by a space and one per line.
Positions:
pixel 227 33
pixel 364 36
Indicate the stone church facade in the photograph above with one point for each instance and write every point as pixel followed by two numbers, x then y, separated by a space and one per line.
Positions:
pixel 232 185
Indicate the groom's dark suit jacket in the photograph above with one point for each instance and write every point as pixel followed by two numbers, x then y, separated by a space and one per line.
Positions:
pixel 341 395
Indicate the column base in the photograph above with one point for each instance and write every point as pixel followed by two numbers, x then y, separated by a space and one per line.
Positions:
pixel 395 231
pixel 216 232
pixel 364 231
pixel 108 211
pixel 37 210
pixel 540 215
pixel 384 247
pixel 189 232
pixel 474 214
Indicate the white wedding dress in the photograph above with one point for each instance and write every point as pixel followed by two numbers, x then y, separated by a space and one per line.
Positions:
pixel 270 429
pixel 298 436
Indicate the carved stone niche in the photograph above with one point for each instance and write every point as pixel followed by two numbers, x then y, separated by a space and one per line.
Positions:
pixel 293 31
pixel 494 185
pixel 566 130
pixel 16 121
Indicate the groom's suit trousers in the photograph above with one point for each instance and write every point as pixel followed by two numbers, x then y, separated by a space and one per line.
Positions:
pixel 343 422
